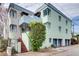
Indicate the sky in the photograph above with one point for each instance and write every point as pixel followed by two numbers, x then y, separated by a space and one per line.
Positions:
pixel 71 10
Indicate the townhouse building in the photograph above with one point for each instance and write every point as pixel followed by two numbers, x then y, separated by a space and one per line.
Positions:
pixel 58 26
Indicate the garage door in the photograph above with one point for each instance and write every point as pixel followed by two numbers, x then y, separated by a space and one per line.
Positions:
pixel 55 42
pixel 66 42
pixel 59 42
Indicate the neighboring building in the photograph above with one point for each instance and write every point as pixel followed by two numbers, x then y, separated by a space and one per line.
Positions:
pixel 3 21
pixel 18 18
pixel 58 26
pixel 1 25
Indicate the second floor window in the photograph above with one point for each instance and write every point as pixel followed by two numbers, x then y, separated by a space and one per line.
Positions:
pixel 66 30
pixel 59 28
pixel 66 22
pixel 46 11
pixel 50 40
pixel 59 18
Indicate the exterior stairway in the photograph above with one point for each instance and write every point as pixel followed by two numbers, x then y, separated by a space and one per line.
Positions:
pixel 23 48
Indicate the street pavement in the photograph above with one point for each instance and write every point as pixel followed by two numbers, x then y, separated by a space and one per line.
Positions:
pixel 69 51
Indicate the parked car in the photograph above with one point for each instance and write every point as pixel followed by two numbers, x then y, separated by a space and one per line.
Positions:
pixel 74 41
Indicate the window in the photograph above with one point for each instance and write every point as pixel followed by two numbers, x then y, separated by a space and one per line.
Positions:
pixel 46 11
pixel 50 40
pixel 66 22
pixel 13 13
pixel 59 28
pixel 66 30
pixel 24 27
pixel 13 27
pixel 59 18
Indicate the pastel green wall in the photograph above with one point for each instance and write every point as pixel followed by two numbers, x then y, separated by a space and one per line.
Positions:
pixel 53 30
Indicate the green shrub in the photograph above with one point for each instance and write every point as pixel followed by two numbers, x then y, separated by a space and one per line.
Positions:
pixel 37 35
pixel 3 44
pixel 13 51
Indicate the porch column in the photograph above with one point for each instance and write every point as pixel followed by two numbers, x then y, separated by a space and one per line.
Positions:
pixel 4 32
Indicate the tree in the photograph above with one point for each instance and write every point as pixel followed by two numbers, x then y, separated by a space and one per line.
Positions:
pixel 37 35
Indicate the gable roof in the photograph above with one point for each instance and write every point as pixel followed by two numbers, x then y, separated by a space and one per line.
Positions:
pixel 52 7
pixel 17 7
pixel 30 6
